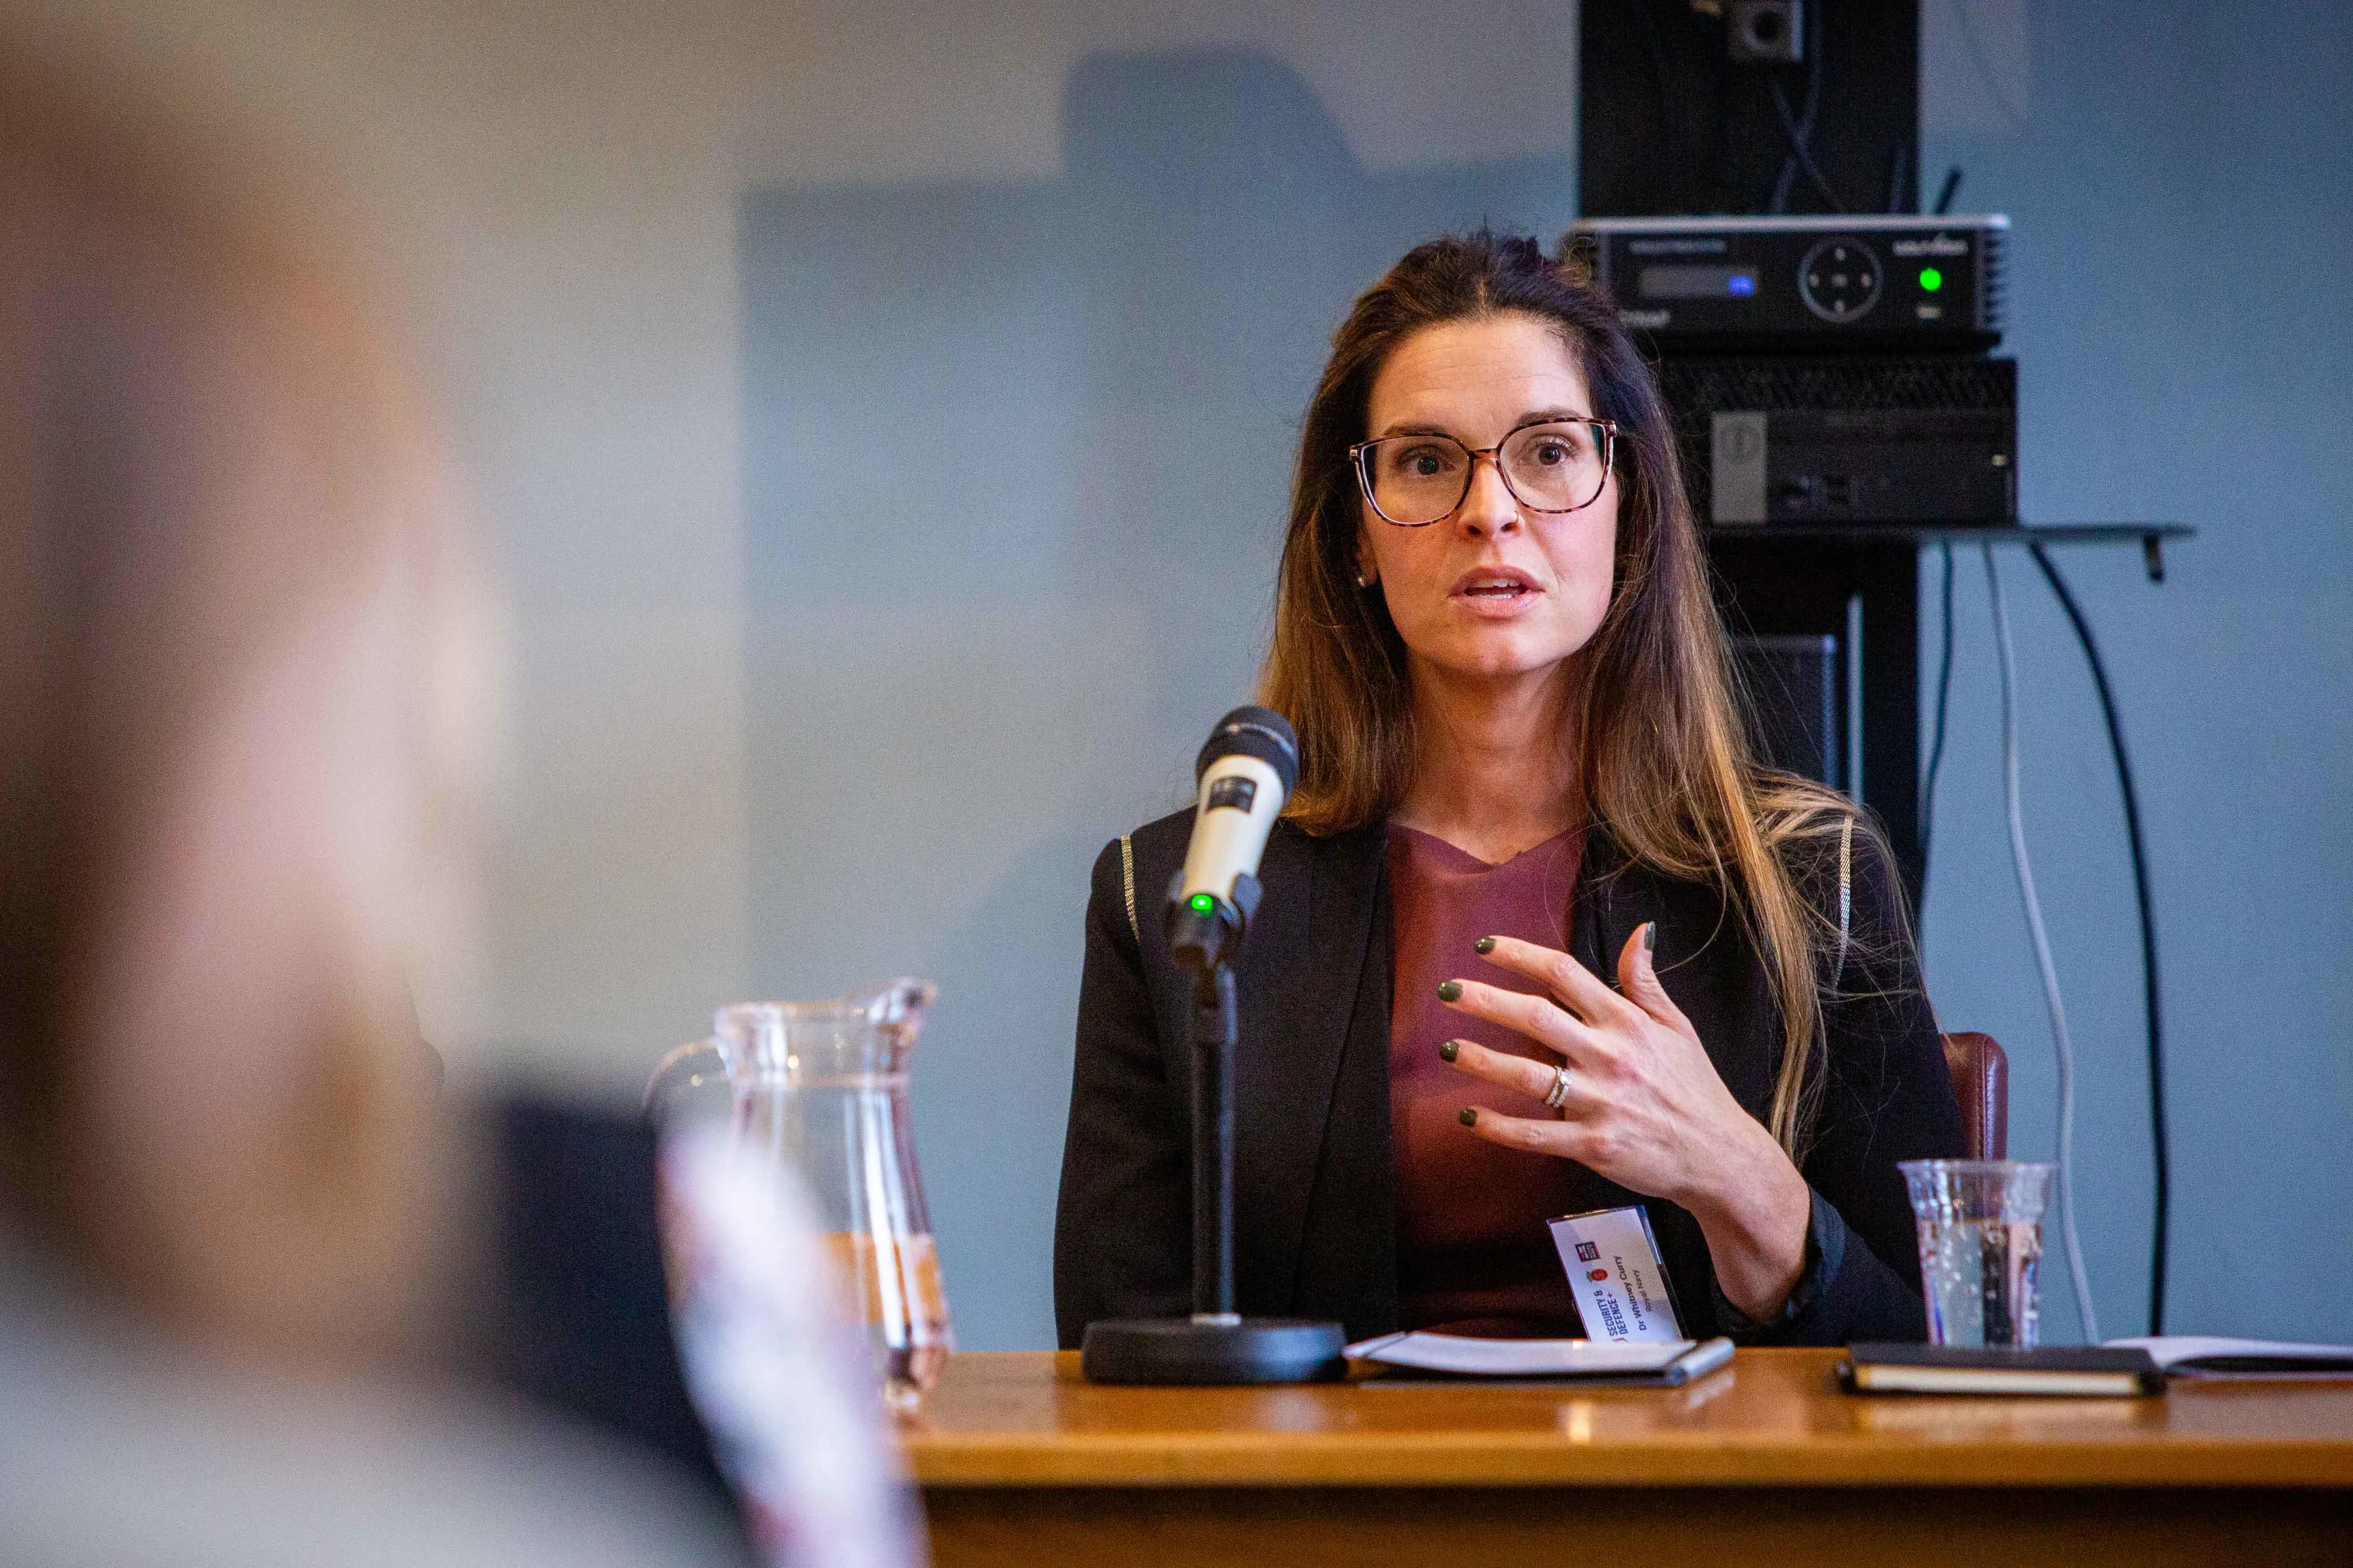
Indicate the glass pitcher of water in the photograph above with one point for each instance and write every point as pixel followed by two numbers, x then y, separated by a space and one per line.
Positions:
pixel 822 1087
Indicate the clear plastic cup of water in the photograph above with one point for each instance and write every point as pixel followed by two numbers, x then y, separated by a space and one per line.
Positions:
pixel 1980 1224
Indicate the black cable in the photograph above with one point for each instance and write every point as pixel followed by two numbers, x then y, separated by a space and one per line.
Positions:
pixel 2148 927
pixel 1799 128
pixel 1779 202
pixel 1952 189
pixel 1655 46
pixel 1936 736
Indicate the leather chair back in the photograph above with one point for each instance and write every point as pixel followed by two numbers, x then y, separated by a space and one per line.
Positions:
pixel 1981 1083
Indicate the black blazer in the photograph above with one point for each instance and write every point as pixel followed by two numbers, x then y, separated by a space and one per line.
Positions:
pixel 1314 1208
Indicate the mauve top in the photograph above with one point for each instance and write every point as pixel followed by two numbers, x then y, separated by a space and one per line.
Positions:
pixel 1474 1255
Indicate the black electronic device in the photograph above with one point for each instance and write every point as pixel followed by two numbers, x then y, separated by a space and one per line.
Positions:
pixel 1727 106
pixel 1801 285
pixel 1778 439
pixel 1794 686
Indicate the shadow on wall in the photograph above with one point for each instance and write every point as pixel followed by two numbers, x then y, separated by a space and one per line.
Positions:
pixel 1017 456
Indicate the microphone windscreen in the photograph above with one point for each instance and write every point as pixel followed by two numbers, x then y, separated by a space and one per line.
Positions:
pixel 1259 733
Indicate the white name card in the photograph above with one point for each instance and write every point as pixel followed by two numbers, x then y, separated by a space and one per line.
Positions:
pixel 1614 1269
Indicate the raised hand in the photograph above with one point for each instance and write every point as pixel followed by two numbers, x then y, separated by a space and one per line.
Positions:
pixel 1643 1106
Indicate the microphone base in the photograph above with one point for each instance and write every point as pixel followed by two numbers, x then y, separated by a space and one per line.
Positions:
pixel 1182 1354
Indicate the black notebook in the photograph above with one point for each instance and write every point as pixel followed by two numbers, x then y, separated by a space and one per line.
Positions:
pixel 2094 1371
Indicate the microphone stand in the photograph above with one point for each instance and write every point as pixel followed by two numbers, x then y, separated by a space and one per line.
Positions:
pixel 1216 1345
pixel 1215 1034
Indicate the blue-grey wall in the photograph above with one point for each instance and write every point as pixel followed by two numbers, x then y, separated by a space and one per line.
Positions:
pixel 1016 459
pixel 2180 180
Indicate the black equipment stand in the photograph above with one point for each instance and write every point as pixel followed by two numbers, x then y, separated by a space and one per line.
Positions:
pixel 1215 1345
pixel 1780 578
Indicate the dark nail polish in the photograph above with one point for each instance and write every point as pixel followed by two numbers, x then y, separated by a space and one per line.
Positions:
pixel 1447 1049
pixel 1484 946
pixel 1649 936
pixel 1450 990
pixel 1469 1118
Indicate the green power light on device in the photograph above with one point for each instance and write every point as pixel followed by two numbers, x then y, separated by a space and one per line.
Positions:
pixel 1931 279
pixel 1206 903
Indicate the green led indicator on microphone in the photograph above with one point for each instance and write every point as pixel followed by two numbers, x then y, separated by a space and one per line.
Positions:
pixel 1931 279
pixel 1206 903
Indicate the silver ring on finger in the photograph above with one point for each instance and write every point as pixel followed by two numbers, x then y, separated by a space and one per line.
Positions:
pixel 1559 1089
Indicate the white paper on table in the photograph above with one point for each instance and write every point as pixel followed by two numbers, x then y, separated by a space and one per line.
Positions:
pixel 1519 1358
pixel 2178 1355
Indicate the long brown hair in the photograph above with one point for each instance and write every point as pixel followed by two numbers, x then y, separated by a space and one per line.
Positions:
pixel 1665 763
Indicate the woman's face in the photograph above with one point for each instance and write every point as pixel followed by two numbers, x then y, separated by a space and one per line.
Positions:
pixel 1497 588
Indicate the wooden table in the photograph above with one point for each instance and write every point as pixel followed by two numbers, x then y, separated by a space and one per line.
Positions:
pixel 1764 1462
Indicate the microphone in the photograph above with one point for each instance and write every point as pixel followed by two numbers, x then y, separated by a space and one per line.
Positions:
pixel 1244 775
pixel 1246 770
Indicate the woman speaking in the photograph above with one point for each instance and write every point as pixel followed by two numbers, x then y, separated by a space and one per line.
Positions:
pixel 1539 935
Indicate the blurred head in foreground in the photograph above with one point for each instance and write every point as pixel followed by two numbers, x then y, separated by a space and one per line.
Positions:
pixel 233 651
